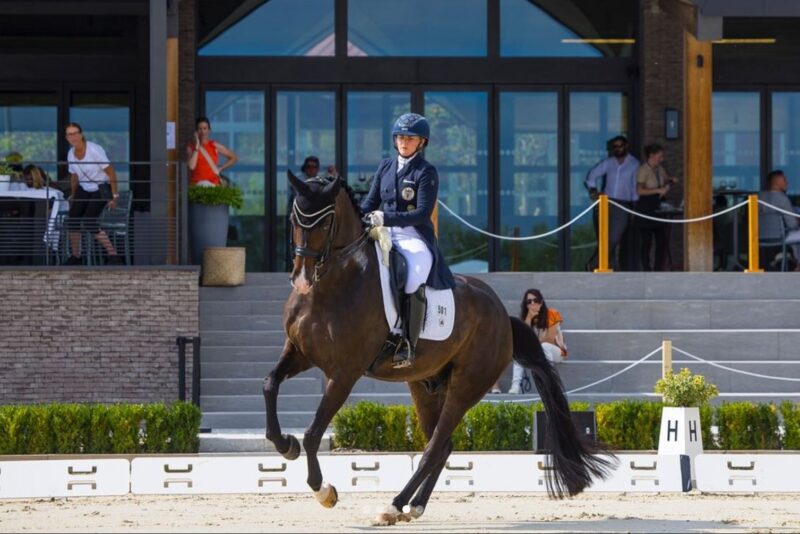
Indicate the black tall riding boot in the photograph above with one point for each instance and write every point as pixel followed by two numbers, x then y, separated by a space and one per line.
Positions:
pixel 413 321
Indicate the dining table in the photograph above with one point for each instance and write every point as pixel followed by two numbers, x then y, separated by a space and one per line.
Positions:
pixel 20 215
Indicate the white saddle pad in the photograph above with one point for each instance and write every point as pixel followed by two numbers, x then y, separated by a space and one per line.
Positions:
pixel 440 313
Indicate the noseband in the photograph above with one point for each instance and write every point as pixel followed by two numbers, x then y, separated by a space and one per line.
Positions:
pixel 314 219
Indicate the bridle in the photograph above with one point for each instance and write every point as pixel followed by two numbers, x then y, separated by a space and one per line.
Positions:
pixel 321 256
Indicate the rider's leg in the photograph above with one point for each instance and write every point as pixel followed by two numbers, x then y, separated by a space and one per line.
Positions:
pixel 419 260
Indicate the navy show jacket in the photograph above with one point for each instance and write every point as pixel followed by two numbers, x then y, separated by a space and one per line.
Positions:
pixel 407 198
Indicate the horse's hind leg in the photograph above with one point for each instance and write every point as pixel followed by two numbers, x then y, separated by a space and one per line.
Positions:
pixel 428 407
pixel 457 401
pixel 290 364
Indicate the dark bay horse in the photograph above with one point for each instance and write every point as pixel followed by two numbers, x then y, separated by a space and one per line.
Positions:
pixel 334 320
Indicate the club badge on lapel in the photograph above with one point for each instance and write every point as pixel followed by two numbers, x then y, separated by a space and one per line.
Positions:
pixel 407 193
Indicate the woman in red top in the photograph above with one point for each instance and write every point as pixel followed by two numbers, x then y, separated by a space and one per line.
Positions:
pixel 203 156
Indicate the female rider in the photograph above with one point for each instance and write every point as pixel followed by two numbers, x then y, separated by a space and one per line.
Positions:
pixel 402 197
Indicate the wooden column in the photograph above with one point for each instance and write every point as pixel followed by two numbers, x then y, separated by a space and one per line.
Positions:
pixel 698 237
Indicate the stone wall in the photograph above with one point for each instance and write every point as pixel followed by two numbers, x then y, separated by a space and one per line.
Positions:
pixel 95 335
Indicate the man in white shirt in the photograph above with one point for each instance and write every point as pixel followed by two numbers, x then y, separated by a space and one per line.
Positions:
pixel 619 171
pixel 93 185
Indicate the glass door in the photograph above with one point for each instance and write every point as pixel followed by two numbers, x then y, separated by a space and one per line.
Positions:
pixel 529 189
pixel 237 121
pixel 594 118
pixel 370 116
pixel 305 125
pixel 106 120
pixel 28 127
pixel 459 148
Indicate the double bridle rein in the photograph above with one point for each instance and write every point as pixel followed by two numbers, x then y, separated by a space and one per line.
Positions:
pixel 322 256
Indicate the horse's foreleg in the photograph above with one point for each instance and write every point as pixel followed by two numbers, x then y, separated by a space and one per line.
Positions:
pixel 336 392
pixel 290 364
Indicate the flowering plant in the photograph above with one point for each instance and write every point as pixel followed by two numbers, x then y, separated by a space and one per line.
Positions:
pixel 685 389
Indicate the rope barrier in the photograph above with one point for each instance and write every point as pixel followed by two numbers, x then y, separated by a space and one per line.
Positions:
pixel 677 221
pixel 732 370
pixel 642 360
pixel 511 238
pixel 776 208
pixel 587 386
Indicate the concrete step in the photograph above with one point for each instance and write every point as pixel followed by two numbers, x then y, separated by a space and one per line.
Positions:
pixel 244 322
pixel 291 403
pixel 232 338
pixel 253 386
pixel 247 370
pixel 710 345
pixel 250 420
pixel 246 292
pixel 637 286
pixel 264 354
pixel 211 308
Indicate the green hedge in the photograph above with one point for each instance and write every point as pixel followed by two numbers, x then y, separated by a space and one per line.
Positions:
pixel 622 425
pixel 99 428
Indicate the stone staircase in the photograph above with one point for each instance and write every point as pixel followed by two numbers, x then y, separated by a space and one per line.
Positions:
pixel 746 321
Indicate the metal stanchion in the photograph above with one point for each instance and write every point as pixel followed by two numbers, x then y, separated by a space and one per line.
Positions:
pixel 752 238
pixel 602 236
pixel 181 342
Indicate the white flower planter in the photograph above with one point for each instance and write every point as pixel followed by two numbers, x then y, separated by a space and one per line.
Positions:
pixel 680 433
pixel 5 182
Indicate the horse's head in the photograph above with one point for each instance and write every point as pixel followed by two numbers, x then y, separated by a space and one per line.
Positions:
pixel 314 228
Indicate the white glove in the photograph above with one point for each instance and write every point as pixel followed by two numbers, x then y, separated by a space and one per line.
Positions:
pixel 376 218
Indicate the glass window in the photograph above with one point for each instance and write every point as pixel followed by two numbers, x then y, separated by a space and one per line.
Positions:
pixel 105 120
pixel 528 180
pixel 28 126
pixel 459 150
pixel 786 137
pixel 416 28
pixel 575 28
pixel 306 126
pixel 275 28
pixel 237 122
pixel 370 116
pixel 736 131
pixel 594 119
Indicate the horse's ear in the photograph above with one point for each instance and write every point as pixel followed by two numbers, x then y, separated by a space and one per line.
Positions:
pixel 332 189
pixel 300 187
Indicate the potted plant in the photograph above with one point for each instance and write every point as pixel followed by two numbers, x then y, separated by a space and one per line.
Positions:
pixel 208 216
pixel 6 173
pixel 683 393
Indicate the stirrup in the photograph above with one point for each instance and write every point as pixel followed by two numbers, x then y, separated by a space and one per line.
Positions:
pixel 403 356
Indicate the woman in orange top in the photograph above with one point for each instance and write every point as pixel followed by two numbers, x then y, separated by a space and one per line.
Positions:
pixel 546 322
pixel 203 156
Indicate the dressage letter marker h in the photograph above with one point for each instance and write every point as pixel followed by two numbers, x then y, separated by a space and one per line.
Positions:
pixel 680 433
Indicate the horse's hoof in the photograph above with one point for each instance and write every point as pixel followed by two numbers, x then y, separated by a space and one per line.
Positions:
pixel 327 496
pixel 294 448
pixel 387 518
pixel 416 511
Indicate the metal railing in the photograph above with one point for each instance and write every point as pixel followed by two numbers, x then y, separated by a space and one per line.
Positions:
pixel 146 227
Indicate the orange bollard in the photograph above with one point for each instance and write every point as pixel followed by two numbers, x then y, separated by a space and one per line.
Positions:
pixel 602 237
pixel 752 235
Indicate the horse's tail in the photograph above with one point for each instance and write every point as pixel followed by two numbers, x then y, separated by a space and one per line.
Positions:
pixel 573 461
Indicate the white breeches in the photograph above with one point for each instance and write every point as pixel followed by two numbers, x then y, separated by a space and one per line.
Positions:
pixel 418 258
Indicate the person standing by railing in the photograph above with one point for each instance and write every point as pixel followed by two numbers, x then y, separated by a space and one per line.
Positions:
pixel 93 184
pixel 203 156
pixel 619 171
pixel 652 185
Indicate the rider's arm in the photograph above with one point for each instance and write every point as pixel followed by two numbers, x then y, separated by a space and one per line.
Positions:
pixel 373 198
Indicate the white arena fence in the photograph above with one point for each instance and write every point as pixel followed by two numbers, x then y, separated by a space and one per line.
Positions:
pixel 371 472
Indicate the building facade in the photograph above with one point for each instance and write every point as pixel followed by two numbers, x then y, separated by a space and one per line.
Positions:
pixel 522 96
